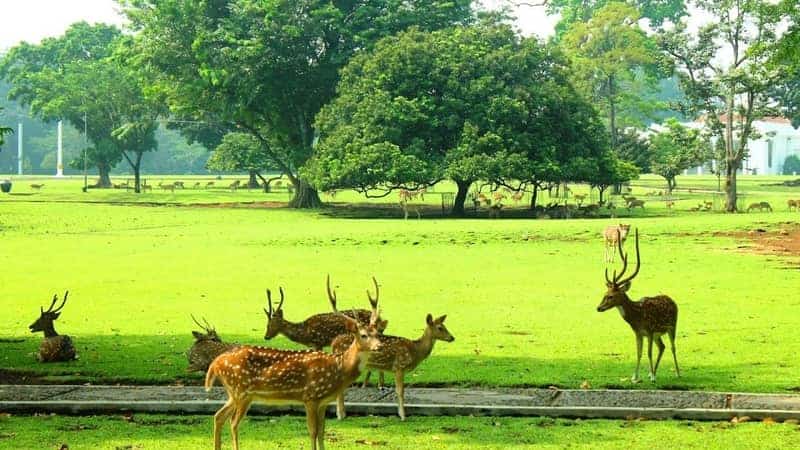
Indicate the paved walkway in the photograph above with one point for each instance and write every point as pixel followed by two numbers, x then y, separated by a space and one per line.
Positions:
pixel 615 404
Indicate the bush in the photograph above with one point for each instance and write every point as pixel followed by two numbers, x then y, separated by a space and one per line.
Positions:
pixel 791 165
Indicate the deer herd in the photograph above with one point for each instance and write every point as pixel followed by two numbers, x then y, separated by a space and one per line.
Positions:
pixel 357 343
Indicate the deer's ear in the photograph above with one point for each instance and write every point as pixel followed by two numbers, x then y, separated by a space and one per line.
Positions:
pixel 56 315
pixel 429 319
pixel 350 324
pixel 441 319
pixel 625 287
pixel 197 335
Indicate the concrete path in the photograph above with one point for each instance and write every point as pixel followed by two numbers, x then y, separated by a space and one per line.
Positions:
pixel 612 404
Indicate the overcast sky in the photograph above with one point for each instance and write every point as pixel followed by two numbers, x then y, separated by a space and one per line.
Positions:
pixel 32 20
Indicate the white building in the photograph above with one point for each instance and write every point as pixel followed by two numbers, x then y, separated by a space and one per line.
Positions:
pixel 767 153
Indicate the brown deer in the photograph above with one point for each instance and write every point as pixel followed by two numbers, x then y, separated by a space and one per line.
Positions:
pixel 406 196
pixel 54 347
pixel 317 331
pixel 312 378
pixel 207 346
pixel 167 187
pixel 209 184
pixel 235 185
pixel 634 203
pixel 398 355
pixel 361 315
pixel 649 317
pixel 761 206
pixel 37 186
pixel 793 204
pixel 613 234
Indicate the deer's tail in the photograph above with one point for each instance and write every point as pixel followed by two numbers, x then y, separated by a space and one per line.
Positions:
pixel 211 376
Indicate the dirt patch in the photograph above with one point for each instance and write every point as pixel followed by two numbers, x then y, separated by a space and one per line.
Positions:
pixel 781 240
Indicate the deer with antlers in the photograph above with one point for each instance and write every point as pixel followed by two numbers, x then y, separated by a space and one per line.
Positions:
pixel 311 378
pixel 207 346
pixel 54 347
pixel 650 317
pixel 396 354
pixel 319 330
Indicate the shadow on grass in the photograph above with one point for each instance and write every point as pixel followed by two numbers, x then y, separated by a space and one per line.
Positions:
pixel 161 360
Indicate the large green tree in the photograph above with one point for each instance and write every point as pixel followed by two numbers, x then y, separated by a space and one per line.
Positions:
pixel 614 63
pixel 677 148
pixel 787 61
pixel 726 73
pixel 466 104
pixel 242 151
pixel 266 67
pixel 76 77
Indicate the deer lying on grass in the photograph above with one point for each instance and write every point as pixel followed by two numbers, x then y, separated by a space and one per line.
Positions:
pixel 761 206
pixel 37 187
pixel 207 346
pixel 650 317
pixel 317 331
pixel 398 355
pixel 312 378
pixel 54 347
pixel 614 234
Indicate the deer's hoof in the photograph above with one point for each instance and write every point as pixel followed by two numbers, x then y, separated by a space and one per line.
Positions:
pixel 635 379
pixel 652 378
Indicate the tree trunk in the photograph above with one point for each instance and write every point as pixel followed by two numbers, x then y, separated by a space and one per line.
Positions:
pixel 137 173
pixel 461 197
pixel 730 186
pixel 612 113
pixel 104 178
pixel 305 196
pixel 533 196
pixel 601 189
pixel 252 183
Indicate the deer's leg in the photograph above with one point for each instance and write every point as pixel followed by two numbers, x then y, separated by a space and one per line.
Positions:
pixel 660 345
pixel 366 379
pixel 236 418
pixel 381 380
pixel 321 426
pixel 219 419
pixel 401 406
pixel 311 423
pixel 635 377
pixel 651 375
pixel 340 412
pixel 671 335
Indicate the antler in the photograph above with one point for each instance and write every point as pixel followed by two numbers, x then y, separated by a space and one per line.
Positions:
pixel 638 261
pixel 374 301
pixel 207 327
pixel 55 299
pixel 331 292
pixel 269 304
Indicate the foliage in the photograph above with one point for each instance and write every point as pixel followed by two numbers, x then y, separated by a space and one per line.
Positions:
pixel 634 148
pixel 241 152
pixel 614 63
pixel 676 149
pixel 267 67
pixel 75 77
pixel 791 165
pixel 729 96
pixel 4 131
pixel 576 11
pixel 469 103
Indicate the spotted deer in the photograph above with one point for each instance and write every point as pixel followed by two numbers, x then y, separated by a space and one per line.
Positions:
pixel 311 378
pixel 650 317
pixel 613 234
pixel 207 346
pixel 396 354
pixel 317 331
pixel 406 196
pixel 54 347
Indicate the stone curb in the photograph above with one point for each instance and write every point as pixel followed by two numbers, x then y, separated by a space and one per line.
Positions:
pixel 609 404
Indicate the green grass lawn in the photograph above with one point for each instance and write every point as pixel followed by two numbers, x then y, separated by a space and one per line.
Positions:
pixel 192 432
pixel 520 294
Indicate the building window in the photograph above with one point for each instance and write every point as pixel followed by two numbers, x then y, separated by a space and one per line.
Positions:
pixel 769 153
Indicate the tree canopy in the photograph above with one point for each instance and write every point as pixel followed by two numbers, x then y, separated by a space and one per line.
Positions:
pixel 4 131
pixel 467 103
pixel 676 149
pixel 267 67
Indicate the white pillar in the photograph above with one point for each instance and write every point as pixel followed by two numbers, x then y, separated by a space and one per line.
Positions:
pixel 60 165
pixel 699 170
pixel 19 150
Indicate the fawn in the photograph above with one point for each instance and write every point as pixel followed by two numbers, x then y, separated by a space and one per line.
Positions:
pixel 312 378
pixel 398 355
pixel 54 347
pixel 206 347
pixel 317 331
pixel 649 317
pixel 613 234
